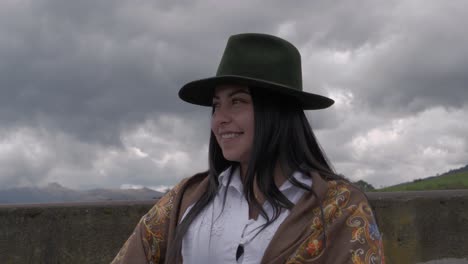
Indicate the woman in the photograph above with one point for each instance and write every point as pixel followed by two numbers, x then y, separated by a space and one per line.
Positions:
pixel 270 195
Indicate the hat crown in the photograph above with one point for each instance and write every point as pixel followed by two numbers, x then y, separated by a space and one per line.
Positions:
pixel 263 57
pixel 258 61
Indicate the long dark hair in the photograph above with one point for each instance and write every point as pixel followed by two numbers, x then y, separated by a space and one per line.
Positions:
pixel 282 136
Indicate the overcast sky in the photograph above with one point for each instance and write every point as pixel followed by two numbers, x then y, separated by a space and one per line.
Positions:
pixel 88 89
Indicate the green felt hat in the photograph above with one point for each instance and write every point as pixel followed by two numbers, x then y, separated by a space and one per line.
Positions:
pixel 258 61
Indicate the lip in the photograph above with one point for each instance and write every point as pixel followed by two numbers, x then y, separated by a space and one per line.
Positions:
pixel 224 140
pixel 223 132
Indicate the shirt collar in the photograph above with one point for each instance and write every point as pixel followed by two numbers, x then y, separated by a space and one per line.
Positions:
pixel 237 184
pixel 300 177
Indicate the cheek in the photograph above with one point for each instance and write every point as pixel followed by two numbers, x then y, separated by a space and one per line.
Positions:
pixel 250 125
pixel 251 122
pixel 213 129
pixel 213 125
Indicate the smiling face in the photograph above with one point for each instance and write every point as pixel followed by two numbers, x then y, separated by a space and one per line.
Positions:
pixel 232 122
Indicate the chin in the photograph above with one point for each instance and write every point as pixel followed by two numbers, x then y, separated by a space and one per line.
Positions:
pixel 232 158
pixel 230 155
pixel 235 157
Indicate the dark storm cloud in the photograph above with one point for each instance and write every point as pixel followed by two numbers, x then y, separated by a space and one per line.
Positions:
pixel 426 67
pixel 92 85
pixel 402 57
pixel 90 67
pixel 419 60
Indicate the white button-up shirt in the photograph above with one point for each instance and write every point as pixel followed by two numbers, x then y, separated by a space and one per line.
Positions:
pixel 215 235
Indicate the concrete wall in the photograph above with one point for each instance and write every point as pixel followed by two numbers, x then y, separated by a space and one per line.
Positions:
pixel 423 226
pixel 418 227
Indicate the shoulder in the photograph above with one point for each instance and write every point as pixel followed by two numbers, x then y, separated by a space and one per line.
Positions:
pixel 343 193
pixel 182 186
pixel 148 242
pixel 352 223
pixel 160 212
pixel 343 229
pixel 347 207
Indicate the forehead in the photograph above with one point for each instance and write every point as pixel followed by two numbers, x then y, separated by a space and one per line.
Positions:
pixel 226 90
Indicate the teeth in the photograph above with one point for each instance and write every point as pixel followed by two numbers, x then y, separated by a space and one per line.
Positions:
pixel 230 135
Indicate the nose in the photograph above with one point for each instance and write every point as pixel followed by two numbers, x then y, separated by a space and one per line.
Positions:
pixel 220 117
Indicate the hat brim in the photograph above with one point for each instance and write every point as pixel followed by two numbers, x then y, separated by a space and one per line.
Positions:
pixel 200 92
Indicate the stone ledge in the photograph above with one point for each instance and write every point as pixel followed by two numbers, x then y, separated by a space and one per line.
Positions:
pixel 417 227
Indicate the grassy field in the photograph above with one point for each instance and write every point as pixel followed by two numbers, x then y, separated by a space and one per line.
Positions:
pixel 445 182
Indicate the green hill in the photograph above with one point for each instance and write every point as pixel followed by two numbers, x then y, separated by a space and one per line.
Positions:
pixel 454 179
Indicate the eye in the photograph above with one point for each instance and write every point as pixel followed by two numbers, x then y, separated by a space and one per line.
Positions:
pixel 236 101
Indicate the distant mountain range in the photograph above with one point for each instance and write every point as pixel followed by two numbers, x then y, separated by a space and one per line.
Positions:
pixel 56 193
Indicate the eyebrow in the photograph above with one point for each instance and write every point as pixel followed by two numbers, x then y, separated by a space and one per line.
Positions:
pixel 234 93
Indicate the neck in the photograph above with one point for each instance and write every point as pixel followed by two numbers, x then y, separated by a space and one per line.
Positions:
pixel 278 176
pixel 243 171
